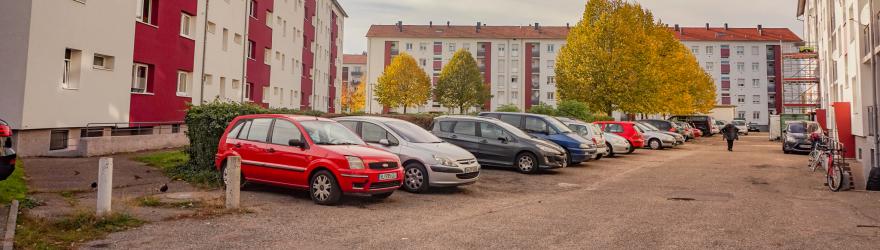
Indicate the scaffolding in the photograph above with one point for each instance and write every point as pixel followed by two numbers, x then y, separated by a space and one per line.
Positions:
pixel 800 81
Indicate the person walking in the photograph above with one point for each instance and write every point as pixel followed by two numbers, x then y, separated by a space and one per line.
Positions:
pixel 731 133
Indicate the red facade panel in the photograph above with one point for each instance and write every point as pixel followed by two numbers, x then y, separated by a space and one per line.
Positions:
pixel 527 83
pixel 725 68
pixel 165 51
pixel 257 71
pixel 778 76
pixel 725 52
pixel 308 60
pixel 334 35
pixel 725 85
pixel 487 72
pixel 843 121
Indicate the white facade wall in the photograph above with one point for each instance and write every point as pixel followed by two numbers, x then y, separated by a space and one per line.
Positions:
pixel 287 44
pixel 755 106
pixel 37 49
pixel 224 54
pixel 508 69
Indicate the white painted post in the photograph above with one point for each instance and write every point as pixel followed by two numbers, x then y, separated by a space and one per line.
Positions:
pixel 9 237
pixel 105 185
pixel 233 185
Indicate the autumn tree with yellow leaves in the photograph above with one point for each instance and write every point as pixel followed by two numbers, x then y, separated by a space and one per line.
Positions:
pixel 403 84
pixel 460 84
pixel 618 58
pixel 353 98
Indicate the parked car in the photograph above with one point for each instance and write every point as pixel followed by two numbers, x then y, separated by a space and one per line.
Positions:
pixel 627 130
pixel 742 126
pixel 7 154
pixel 664 125
pixel 704 123
pixel 496 143
pixel 655 138
pixel 310 153
pixel 753 127
pixel 545 127
pixel 686 130
pixel 679 139
pixel 427 160
pixel 718 125
pixel 617 144
pixel 697 133
pixel 797 136
pixel 589 131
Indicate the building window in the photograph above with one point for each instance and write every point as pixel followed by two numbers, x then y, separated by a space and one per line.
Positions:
pixel 70 72
pixel 423 46
pixel 514 79
pixel 187 25
pixel 740 82
pixel 501 49
pixel 756 99
pixel 551 96
pixel 225 45
pixel 514 50
pixel 756 115
pixel 140 77
pixel 551 79
pixel 252 6
pixel 741 67
pixel 741 115
pixel 710 50
pixel 501 66
pixel 423 62
pixel 183 83
pixel 267 55
pixel 756 67
pixel 741 99
pixel 756 50
pixel 740 50
pixel 409 46
pixel 58 139
pixel 266 94
pixel 710 66
pixel 551 48
pixel 250 50
pixel 248 91
pixel 466 46
pixel 144 11
pixel 695 50
pixel 514 65
pixel 551 64
pixel 269 19
pixel 102 62
pixel 756 83
pixel 514 95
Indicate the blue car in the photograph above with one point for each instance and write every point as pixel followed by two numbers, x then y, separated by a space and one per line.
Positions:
pixel 549 128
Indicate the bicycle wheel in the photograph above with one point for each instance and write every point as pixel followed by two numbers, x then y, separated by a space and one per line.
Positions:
pixel 834 177
pixel 814 161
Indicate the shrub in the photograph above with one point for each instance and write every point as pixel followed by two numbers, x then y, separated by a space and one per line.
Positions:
pixel 205 125
pixel 543 109
pixel 508 108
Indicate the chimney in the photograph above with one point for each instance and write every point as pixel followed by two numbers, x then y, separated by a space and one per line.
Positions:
pixel 400 26
pixel 707 26
pixel 677 28
pixel 447 24
pixel 537 26
pixel 430 24
pixel 479 24
pixel 725 26
pixel 760 30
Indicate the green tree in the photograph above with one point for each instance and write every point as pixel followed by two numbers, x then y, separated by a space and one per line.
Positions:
pixel 461 84
pixel 403 84
pixel 508 108
pixel 543 109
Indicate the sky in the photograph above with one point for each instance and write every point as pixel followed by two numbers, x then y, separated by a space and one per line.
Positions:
pixel 738 13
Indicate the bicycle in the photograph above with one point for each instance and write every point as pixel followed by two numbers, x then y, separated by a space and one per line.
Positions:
pixel 834 173
pixel 819 155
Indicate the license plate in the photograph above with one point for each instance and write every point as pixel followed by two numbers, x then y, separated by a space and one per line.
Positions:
pixel 387 176
pixel 471 169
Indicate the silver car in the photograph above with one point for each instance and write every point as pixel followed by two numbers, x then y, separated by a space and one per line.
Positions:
pixel 679 138
pixel 590 132
pixel 428 161
pixel 617 144
pixel 654 139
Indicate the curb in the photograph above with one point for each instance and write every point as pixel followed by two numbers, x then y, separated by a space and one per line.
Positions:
pixel 9 238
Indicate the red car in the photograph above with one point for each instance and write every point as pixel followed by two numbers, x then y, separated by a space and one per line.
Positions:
pixel 626 130
pixel 310 153
pixel 7 155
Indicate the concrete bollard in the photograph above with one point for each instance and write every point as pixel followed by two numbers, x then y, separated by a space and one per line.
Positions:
pixel 105 185
pixel 233 187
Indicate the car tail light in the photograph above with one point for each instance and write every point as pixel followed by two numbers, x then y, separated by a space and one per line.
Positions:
pixel 5 131
pixel 671 129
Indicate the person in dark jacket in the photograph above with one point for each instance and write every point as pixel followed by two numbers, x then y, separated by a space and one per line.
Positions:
pixel 731 133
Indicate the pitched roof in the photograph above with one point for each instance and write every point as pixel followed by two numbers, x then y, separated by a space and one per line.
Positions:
pixel 561 32
pixel 735 34
pixel 354 59
pixel 469 31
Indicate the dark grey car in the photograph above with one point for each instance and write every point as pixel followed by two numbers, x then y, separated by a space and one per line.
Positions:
pixel 496 143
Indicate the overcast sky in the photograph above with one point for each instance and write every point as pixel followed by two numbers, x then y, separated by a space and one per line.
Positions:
pixel 739 13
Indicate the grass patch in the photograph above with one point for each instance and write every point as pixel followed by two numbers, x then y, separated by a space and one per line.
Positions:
pixel 64 233
pixel 174 164
pixel 15 187
pixel 69 197
pixel 149 201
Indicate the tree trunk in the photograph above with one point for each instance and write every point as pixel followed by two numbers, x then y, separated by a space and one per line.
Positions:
pixel 404 109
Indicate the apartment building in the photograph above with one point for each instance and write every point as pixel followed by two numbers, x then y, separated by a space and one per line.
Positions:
pixel 845 36
pixel 518 61
pixel 746 64
pixel 353 69
pixel 121 80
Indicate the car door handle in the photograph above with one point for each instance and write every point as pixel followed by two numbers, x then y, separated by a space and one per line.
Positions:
pixel 237 145
pixel 270 150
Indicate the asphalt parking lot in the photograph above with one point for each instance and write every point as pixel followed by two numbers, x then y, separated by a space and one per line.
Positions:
pixel 695 196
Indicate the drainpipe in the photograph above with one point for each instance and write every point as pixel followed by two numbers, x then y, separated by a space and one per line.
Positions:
pixel 244 53
pixel 874 86
pixel 204 51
